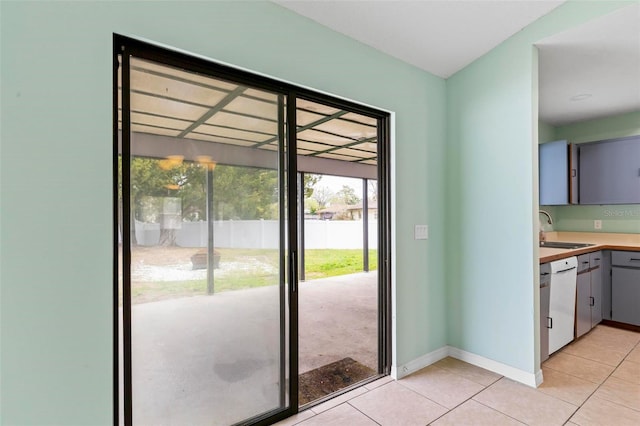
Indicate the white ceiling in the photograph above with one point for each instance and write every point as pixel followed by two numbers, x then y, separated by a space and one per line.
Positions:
pixel 441 37
pixel 602 58
pixel 591 71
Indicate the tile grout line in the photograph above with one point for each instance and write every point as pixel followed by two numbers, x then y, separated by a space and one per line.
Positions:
pixel 504 414
pixel 466 378
pixel 485 387
pixel 615 377
pixel 423 396
pixel 469 399
pixel 599 362
pixel 599 384
pixel 615 367
pixel 361 412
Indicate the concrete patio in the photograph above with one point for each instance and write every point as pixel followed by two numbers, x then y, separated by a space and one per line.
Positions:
pixel 215 359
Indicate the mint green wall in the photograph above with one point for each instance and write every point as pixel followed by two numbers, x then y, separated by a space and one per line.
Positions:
pixel 615 218
pixel 546 132
pixel 491 111
pixel 56 220
pixel 624 218
pixel 617 126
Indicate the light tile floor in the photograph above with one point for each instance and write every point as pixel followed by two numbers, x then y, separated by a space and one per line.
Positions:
pixel 593 381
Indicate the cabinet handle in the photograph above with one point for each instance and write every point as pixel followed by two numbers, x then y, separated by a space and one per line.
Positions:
pixel 544 273
pixel 565 270
pixel 592 301
pixel 585 263
pixel 634 259
pixel 549 322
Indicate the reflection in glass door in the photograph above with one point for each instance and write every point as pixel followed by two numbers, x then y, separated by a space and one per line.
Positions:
pixel 204 295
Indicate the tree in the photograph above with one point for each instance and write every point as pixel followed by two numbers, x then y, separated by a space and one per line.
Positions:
pixel 310 182
pixel 312 205
pixel 346 195
pixel 160 186
pixel 155 182
pixel 323 195
pixel 372 189
pixel 244 193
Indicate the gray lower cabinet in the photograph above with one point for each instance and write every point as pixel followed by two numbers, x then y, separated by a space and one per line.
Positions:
pixel 583 302
pixel 588 292
pixel 595 274
pixel 625 287
pixel 545 293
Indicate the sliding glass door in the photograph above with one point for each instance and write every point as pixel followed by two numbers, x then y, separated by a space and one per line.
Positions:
pixel 210 164
pixel 205 295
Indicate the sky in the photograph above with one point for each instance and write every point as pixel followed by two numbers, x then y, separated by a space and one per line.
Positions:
pixel 335 183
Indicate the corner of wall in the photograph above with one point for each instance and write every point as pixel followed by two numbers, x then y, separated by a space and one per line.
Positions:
pixel 529 379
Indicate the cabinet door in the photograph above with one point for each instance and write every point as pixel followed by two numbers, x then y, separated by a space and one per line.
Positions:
pixel 583 304
pixel 596 296
pixel 545 276
pixel 605 266
pixel 553 173
pixel 544 323
pixel 610 172
pixel 625 295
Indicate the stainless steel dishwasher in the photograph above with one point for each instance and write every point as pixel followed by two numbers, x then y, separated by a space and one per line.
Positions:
pixel 562 302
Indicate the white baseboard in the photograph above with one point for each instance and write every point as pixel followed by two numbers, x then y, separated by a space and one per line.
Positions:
pixel 539 378
pixel 398 372
pixel 529 379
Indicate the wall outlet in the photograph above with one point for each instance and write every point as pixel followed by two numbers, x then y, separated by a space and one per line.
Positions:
pixel 421 232
pixel 597 224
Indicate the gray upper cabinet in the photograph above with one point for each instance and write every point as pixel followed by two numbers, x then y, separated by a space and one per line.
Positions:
pixel 553 173
pixel 610 172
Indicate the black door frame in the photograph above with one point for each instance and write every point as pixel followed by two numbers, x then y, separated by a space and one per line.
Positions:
pixel 124 47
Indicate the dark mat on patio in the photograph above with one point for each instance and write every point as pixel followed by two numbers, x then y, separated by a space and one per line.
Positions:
pixel 329 378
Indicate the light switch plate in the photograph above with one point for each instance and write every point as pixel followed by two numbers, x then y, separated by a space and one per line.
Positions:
pixel 421 232
pixel 597 224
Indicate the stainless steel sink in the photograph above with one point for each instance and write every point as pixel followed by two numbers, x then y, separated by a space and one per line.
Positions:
pixel 563 245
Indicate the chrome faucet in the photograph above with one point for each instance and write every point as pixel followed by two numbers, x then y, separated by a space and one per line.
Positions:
pixel 549 220
pixel 541 235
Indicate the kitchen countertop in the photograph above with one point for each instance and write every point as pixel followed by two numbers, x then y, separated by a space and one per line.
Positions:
pixel 601 241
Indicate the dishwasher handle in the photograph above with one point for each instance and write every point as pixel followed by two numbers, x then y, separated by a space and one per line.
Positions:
pixel 565 270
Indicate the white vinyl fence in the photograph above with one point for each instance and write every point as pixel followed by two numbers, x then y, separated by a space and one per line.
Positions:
pixel 319 234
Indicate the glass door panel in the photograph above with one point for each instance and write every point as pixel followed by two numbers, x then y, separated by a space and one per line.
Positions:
pixel 207 294
pixel 338 320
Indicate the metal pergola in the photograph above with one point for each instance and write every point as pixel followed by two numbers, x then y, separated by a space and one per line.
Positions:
pixel 178 112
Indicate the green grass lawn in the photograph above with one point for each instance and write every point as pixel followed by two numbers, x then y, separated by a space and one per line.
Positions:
pixel 329 263
pixel 319 264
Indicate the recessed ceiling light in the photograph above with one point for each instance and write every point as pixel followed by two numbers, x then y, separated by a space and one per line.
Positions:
pixel 581 97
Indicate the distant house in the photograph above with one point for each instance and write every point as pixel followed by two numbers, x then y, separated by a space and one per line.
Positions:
pixel 355 211
pixel 334 212
pixel 348 212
